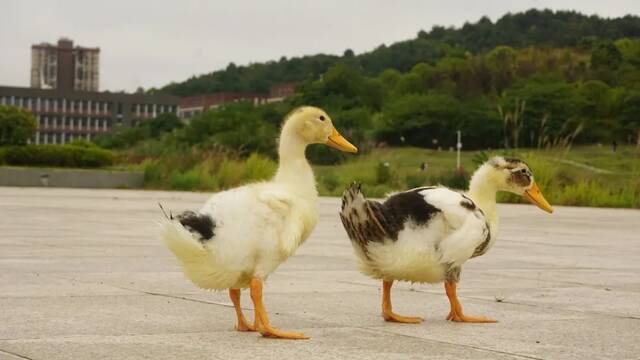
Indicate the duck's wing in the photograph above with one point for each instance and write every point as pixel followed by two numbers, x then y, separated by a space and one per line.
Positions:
pixel 468 234
pixel 295 225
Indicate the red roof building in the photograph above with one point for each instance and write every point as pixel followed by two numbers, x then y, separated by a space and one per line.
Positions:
pixel 194 105
pixel 191 106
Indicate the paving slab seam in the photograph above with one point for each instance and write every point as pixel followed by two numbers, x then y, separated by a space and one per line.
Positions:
pixel 15 354
pixel 462 345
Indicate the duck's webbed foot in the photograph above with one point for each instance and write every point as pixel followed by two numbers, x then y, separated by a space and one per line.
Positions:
pixel 387 312
pixel 456 314
pixel 262 319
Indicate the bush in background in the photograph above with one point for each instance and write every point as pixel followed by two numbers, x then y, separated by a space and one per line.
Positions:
pixel 58 156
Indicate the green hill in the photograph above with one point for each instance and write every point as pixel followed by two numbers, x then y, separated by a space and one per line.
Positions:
pixel 540 28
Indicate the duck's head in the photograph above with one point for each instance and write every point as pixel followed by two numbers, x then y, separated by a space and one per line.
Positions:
pixel 313 126
pixel 514 175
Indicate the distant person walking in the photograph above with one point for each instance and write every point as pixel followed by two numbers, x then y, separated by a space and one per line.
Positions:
pixel 614 145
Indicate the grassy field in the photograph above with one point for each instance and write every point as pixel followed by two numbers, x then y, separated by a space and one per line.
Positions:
pixel 583 176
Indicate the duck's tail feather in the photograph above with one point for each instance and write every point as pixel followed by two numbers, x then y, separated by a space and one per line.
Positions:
pixel 184 243
pixel 364 220
pixel 187 236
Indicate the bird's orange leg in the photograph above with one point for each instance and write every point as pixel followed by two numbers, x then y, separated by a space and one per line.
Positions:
pixel 262 319
pixel 242 324
pixel 456 308
pixel 387 312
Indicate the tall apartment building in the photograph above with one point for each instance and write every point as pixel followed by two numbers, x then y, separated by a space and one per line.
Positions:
pixel 65 67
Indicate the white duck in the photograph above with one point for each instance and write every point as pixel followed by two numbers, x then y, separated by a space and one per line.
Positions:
pixel 240 236
pixel 425 234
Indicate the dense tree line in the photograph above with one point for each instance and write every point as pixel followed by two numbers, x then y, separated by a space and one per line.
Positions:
pixel 505 97
pixel 539 28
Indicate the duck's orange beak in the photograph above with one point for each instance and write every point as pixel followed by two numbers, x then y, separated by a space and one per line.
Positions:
pixel 337 141
pixel 535 196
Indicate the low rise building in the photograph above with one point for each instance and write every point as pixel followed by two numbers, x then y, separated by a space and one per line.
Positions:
pixel 64 116
pixel 279 92
pixel 191 106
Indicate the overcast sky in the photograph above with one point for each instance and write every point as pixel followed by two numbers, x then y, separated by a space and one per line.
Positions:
pixel 152 42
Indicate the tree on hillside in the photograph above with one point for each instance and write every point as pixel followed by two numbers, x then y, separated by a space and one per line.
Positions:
pixel 630 50
pixel 630 116
pixel 502 62
pixel 606 55
pixel 16 125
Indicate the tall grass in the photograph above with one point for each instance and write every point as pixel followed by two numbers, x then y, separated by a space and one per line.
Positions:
pixel 205 171
pixel 561 186
pixel 561 183
pixel 387 170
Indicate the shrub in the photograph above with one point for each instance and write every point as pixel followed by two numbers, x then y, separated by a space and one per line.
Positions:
pixel 198 178
pixel 83 143
pixel 16 125
pixel 58 156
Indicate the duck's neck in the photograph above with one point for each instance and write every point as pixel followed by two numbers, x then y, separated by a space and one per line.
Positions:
pixel 294 170
pixel 482 190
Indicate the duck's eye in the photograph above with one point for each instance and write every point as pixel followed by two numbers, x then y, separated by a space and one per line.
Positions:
pixel 524 171
pixel 321 118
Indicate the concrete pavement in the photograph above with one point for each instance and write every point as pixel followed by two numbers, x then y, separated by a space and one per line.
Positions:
pixel 84 276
